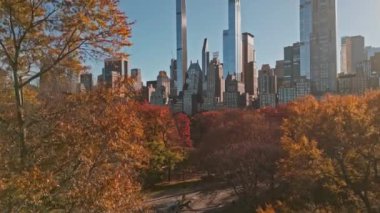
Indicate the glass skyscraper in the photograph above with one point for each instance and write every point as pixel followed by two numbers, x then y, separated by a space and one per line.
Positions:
pixel 181 44
pixel 318 44
pixel 232 42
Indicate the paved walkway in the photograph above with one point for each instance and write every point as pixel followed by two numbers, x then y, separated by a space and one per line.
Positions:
pixel 201 198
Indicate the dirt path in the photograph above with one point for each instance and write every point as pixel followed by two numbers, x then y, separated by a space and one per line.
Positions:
pixel 201 198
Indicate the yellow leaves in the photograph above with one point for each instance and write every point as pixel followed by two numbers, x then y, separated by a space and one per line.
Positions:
pixel 332 142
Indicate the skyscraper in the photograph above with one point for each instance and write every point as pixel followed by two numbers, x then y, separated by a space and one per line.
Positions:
pixel 181 44
pixel 352 53
pixel 249 73
pixel 318 44
pixel 232 42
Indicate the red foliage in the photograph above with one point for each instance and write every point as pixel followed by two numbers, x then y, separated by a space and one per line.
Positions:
pixel 183 126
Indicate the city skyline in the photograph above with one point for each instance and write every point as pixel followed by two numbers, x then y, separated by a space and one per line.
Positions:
pixel 152 51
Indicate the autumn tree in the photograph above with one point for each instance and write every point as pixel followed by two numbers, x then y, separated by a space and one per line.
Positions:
pixel 36 36
pixel 333 145
pixel 86 154
pixel 166 136
pixel 241 148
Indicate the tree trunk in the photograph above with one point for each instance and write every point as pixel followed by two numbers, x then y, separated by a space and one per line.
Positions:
pixel 169 171
pixel 20 117
pixel 366 202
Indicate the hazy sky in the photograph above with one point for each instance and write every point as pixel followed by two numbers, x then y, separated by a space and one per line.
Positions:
pixel 275 24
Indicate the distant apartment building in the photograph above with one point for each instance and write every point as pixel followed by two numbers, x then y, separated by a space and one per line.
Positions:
pixel 149 90
pixel 192 93
pixel 60 82
pixel 292 89
pixel 287 91
pixel 213 95
pixel 234 95
pixel 364 78
pixel 114 70
pixel 267 86
pixel 371 51
pixel 137 80
pixel 352 84
pixel 86 81
pixel 352 53
pixel 292 61
pixel 375 63
pixel 160 94
pixel 279 70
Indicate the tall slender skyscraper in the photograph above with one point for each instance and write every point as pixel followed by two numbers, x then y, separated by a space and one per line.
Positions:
pixel 205 57
pixel 232 42
pixel 181 43
pixel 318 44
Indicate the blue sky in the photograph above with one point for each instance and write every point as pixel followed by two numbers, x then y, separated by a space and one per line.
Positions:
pixel 275 24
